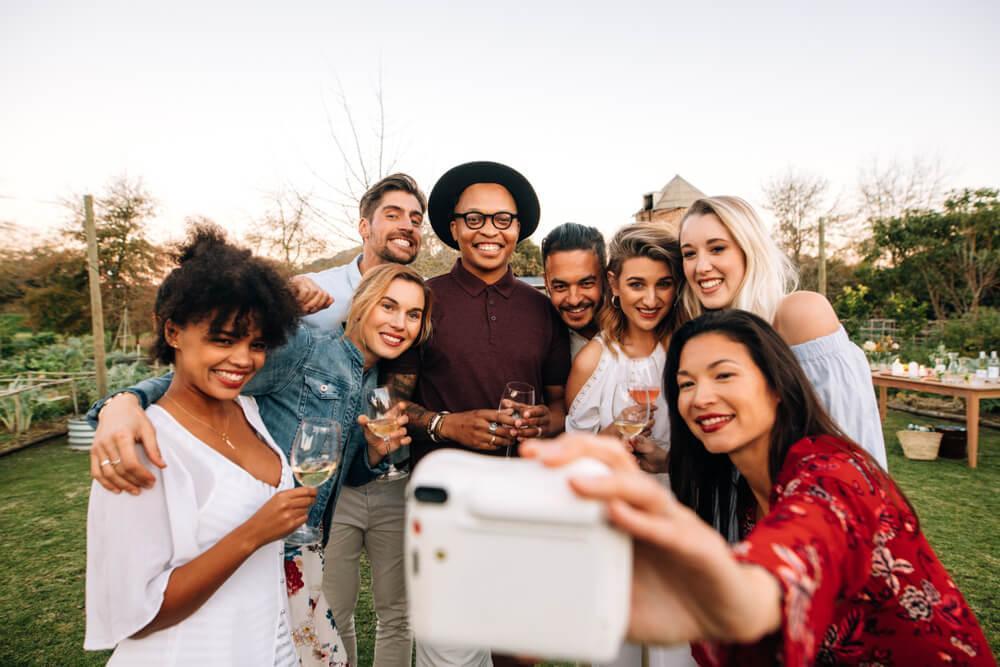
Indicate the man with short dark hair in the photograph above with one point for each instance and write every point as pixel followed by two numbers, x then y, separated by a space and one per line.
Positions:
pixel 390 225
pixel 489 329
pixel 575 276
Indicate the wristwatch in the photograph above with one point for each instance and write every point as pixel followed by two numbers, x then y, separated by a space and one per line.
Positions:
pixel 434 425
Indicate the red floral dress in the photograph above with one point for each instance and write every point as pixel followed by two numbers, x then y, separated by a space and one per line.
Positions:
pixel 861 584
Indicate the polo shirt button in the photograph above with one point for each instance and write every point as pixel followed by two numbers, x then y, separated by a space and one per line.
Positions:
pixel 324 387
pixel 493 317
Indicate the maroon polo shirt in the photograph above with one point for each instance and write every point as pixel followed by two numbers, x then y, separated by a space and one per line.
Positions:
pixel 484 336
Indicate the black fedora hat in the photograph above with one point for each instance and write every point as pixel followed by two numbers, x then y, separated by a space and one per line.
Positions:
pixel 444 196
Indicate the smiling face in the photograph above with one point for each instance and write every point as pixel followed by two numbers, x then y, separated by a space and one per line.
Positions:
pixel 216 364
pixel 573 280
pixel 646 290
pixel 393 324
pixel 714 264
pixel 486 251
pixel 394 231
pixel 724 397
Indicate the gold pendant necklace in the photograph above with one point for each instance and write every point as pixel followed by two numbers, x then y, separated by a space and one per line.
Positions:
pixel 221 434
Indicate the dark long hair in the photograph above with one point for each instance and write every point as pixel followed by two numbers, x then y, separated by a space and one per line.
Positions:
pixel 708 483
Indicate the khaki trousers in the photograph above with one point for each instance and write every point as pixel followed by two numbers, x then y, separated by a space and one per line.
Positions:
pixel 370 517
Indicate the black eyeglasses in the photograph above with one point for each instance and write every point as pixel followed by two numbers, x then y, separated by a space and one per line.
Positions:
pixel 475 220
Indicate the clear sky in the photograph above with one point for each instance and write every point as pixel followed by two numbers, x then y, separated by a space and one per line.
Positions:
pixel 215 104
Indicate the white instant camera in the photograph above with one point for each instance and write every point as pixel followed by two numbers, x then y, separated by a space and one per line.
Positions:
pixel 501 554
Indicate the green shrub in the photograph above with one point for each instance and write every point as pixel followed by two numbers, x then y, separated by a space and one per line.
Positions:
pixel 968 334
pixel 853 308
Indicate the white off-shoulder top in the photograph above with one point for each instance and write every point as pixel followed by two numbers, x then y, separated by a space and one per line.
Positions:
pixel 592 408
pixel 841 376
pixel 135 542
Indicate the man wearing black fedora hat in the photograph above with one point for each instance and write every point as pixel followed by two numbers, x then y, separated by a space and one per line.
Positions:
pixel 489 328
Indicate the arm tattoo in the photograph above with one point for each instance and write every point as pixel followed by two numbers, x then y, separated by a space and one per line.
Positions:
pixel 402 385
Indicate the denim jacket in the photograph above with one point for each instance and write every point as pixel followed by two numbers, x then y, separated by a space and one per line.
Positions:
pixel 315 374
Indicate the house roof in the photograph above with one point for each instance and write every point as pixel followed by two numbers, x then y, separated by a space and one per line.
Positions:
pixel 678 193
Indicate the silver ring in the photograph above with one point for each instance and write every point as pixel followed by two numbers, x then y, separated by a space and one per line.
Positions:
pixel 493 440
pixel 493 427
pixel 106 462
pixel 116 462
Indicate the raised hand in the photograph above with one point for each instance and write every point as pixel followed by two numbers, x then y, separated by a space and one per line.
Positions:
pixel 310 296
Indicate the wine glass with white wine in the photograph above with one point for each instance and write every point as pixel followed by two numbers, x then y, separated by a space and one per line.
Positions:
pixel 382 422
pixel 517 397
pixel 315 457
pixel 631 416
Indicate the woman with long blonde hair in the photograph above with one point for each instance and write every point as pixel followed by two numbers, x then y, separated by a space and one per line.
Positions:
pixel 731 261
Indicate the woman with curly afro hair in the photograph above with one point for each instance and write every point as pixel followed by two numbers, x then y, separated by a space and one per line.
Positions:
pixel 217 318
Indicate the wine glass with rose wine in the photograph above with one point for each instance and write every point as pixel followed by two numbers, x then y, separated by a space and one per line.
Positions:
pixel 643 380
pixel 631 417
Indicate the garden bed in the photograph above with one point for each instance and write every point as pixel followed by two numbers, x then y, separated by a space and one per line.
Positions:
pixel 37 434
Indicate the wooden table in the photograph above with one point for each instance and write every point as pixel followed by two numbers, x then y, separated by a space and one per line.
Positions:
pixel 971 394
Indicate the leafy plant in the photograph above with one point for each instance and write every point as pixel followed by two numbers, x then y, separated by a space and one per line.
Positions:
pixel 17 411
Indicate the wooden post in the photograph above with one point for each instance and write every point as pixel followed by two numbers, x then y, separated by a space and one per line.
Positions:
pixel 96 309
pixel 821 278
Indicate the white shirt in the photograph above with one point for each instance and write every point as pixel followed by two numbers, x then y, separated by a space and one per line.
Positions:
pixel 135 542
pixel 341 283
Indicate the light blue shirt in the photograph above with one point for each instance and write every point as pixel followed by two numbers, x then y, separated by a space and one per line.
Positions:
pixel 340 283
pixel 842 379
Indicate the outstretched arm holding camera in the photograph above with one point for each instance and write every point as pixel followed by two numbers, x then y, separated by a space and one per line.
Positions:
pixel 684 570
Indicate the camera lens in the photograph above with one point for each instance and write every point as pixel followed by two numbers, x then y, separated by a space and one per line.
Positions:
pixel 431 494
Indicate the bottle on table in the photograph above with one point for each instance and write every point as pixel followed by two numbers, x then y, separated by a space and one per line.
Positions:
pixel 993 368
pixel 982 368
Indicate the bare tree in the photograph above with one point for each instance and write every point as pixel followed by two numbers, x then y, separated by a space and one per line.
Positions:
pixel 798 201
pixel 362 143
pixel 892 190
pixel 286 231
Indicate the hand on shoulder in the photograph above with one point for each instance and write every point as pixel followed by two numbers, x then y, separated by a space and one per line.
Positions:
pixel 804 316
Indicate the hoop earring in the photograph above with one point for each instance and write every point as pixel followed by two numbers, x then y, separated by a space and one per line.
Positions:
pixel 617 304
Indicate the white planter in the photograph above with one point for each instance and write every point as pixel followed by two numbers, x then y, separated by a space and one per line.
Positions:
pixel 81 435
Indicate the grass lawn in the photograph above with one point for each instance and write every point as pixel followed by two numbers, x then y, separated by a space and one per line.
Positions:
pixel 43 506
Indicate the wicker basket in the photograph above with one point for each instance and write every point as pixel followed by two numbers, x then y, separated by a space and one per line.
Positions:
pixel 920 445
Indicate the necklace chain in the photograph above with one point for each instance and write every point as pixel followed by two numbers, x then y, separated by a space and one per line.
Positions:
pixel 221 434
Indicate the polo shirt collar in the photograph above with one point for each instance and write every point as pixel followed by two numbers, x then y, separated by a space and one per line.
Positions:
pixel 474 286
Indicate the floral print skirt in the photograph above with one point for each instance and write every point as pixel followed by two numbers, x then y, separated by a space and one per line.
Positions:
pixel 313 631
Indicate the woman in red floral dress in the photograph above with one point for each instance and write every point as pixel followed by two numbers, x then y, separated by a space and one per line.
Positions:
pixel 834 568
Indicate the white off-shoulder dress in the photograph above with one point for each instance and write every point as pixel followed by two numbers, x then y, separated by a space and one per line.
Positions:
pixel 841 376
pixel 135 542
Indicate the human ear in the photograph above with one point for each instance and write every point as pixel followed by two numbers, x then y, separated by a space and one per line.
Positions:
pixel 364 229
pixel 171 332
